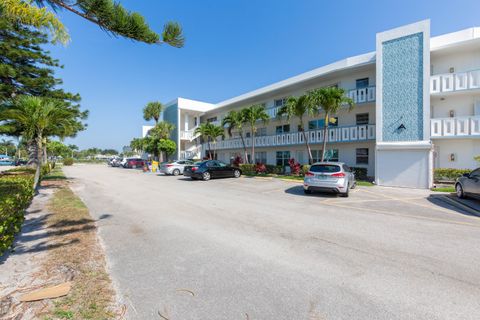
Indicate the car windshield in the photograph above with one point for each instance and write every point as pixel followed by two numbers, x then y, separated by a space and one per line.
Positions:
pixel 325 168
pixel 200 163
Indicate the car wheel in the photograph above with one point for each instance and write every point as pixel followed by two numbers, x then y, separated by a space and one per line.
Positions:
pixel 236 173
pixel 459 191
pixel 345 195
pixel 306 191
pixel 176 172
pixel 206 176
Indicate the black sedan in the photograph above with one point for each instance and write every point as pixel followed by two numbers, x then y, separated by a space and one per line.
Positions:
pixel 209 169
pixel 469 185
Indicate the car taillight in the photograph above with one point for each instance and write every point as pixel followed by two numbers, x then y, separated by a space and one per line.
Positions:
pixel 194 168
pixel 169 165
pixel 338 175
pixel 309 174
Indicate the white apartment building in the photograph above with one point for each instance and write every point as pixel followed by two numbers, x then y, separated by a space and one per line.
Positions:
pixel 417 107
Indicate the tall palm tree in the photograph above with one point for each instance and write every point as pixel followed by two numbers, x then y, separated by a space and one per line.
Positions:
pixel 215 132
pixel 330 99
pixel 235 120
pixel 6 144
pixel 204 130
pixel 251 115
pixel 153 110
pixel 299 107
pixel 36 118
pixel 161 130
pixel 137 144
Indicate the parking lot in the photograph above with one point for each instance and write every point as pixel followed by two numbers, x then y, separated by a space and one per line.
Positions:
pixel 254 248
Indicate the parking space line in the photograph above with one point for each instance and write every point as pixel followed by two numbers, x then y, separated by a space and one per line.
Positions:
pixel 402 215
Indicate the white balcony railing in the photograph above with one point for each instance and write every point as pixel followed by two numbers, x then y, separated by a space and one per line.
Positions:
pixel 335 134
pixel 188 135
pixel 451 82
pixel 362 95
pixel 455 127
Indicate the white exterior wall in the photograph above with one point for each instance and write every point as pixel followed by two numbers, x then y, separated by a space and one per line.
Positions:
pixel 464 150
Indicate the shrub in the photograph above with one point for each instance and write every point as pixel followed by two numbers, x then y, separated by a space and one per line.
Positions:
pixel 237 161
pixel 448 174
pixel 16 192
pixel 271 169
pixel 260 168
pixel 46 168
pixel 360 173
pixel 295 167
pixel 68 161
pixel 305 169
pixel 247 168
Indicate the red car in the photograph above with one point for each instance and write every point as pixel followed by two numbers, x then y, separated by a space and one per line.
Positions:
pixel 133 163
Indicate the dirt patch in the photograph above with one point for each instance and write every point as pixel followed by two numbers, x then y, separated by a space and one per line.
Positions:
pixel 73 254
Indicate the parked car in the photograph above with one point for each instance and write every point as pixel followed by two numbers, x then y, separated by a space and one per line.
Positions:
pixel 469 185
pixel 175 167
pixel 206 170
pixel 334 177
pixel 132 163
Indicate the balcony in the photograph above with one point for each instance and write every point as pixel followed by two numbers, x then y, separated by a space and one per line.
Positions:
pixel 335 134
pixel 454 82
pixel 455 127
pixel 362 95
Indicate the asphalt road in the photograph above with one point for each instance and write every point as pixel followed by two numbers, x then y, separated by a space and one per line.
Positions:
pixel 259 249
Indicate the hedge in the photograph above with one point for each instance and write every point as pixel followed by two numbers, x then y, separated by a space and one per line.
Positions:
pixel 16 192
pixel 448 174
pixel 360 173
pixel 68 161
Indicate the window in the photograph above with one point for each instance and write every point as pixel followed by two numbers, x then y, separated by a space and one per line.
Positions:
pixel 319 124
pixel 362 155
pixel 282 158
pixel 282 129
pixel 325 168
pixel 362 118
pixel 261 132
pixel 362 83
pixel 248 135
pixel 279 102
pixel 213 119
pixel 195 121
pixel 261 157
pixel 330 155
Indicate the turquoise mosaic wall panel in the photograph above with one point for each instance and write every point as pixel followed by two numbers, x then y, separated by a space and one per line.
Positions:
pixel 171 115
pixel 403 88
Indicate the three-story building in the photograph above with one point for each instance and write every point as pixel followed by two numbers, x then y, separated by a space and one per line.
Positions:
pixel 417 106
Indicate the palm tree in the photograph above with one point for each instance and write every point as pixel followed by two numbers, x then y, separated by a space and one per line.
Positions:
pixel 214 132
pixel 204 130
pixel 161 130
pixel 36 118
pixel 251 115
pixel 235 120
pixel 330 99
pixel 299 107
pixel 137 144
pixel 6 144
pixel 153 110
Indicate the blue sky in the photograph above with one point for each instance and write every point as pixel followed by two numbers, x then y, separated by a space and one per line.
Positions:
pixel 232 47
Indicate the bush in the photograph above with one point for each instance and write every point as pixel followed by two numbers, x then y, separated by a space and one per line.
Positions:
pixel 68 161
pixel 305 169
pixel 360 173
pixel 448 174
pixel 16 192
pixel 271 169
pixel 260 168
pixel 295 167
pixel 237 161
pixel 46 168
pixel 247 168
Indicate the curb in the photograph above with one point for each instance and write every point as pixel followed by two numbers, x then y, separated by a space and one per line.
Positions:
pixel 460 205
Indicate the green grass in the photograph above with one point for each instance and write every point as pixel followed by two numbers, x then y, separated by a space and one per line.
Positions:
pixel 55 174
pixel 444 189
pixel 293 178
pixel 365 184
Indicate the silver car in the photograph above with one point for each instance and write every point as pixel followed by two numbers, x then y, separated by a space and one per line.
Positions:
pixel 469 185
pixel 175 167
pixel 334 177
